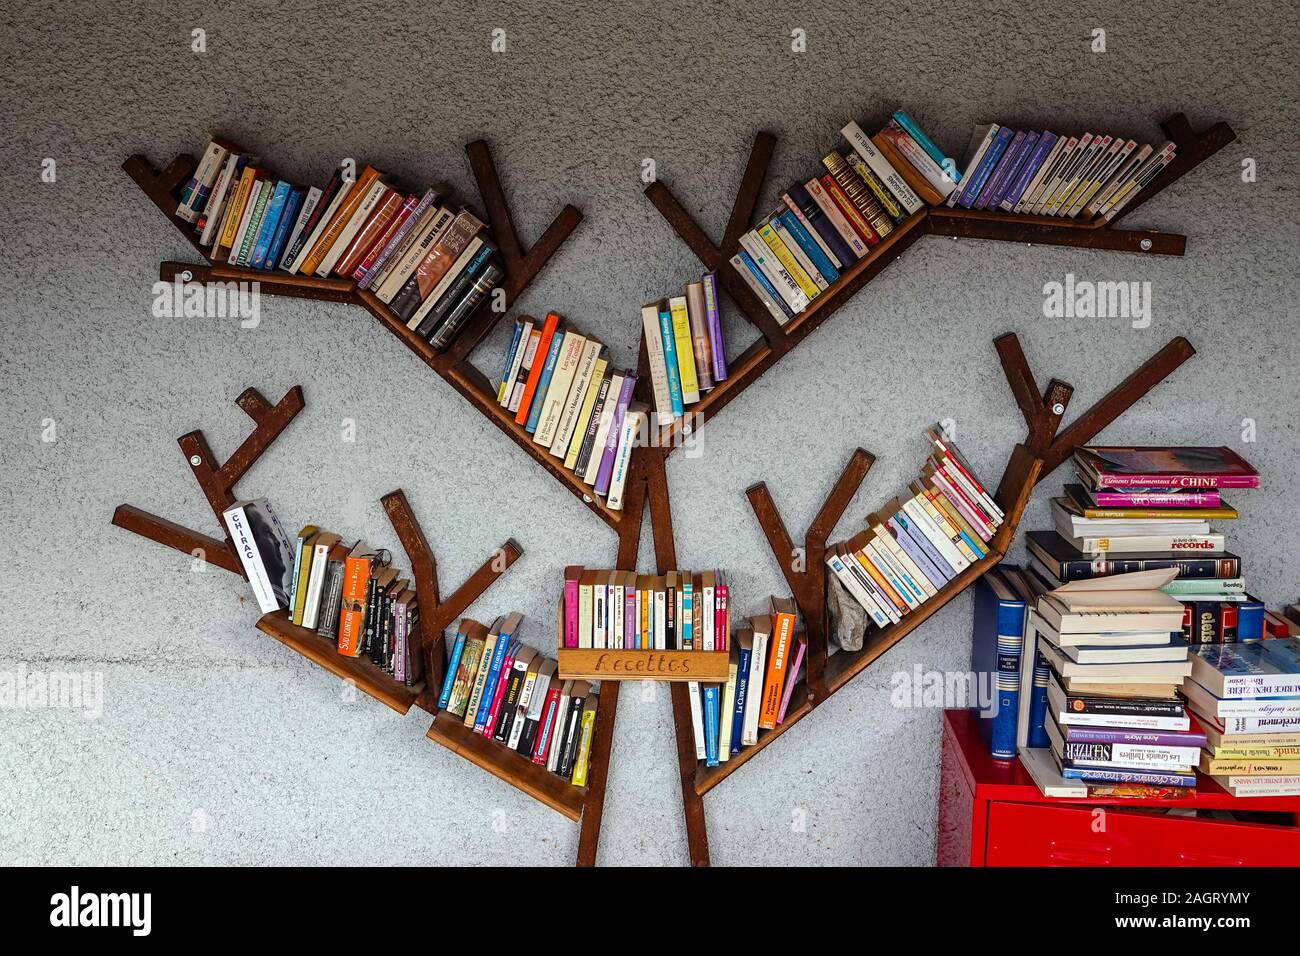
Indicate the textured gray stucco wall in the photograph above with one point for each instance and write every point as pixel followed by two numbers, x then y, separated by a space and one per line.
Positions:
pixel 218 745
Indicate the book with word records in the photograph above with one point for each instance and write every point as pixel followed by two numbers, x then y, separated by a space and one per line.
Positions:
pixel 431 261
pixel 509 692
pixel 920 540
pixel 563 388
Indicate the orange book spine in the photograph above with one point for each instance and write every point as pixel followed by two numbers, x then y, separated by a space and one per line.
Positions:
pixel 778 660
pixel 539 361
pixel 369 234
pixel 356 575
pixel 341 217
pixel 880 580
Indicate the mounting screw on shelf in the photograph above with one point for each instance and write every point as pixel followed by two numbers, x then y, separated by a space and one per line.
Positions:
pixel 195 460
pixel 1146 245
pixel 587 498
pixel 187 276
pixel 1058 409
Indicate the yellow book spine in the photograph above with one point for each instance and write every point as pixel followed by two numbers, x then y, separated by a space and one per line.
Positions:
pixel 583 756
pixel 685 349
pixel 236 208
pixel 584 414
pixel 783 255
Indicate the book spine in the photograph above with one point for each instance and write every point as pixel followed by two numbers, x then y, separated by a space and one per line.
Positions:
pixel 714 318
pixel 612 438
pixel 397 241
pixel 799 651
pixel 859 140
pixel 992 156
pixel 481 286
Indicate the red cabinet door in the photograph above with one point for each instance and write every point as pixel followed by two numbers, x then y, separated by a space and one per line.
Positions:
pixel 1021 834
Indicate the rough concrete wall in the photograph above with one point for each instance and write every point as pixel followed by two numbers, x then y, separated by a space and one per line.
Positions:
pixel 217 744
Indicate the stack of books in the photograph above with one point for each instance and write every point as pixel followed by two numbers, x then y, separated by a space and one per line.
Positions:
pixel 1247 697
pixel 348 594
pixel 1115 658
pixel 685 347
pixel 677 611
pixel 1053 174
pixel 507 691
pixel 431 263
pixel 826 224
pixel 919 542
pixel 563 390
pixel 1144 508
pixel 761 677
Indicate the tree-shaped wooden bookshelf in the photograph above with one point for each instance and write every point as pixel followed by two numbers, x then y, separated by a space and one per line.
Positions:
pixel 521 266
pixel 1041 452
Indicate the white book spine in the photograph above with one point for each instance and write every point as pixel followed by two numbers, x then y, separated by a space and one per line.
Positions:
pixel 861 142
pixel 602 428
pixel 976 157
pixel 322 224
pixel 623 459
pixel 776 273
pixel 251 559
pixel 757 663
pixel 1044 173
pixel 217 201
pixel 922 520
pixel 315 583
pixel 204 176
pixel 654 345
pixel 697 718
pixel 812 231
pixel 855 588
pixel 245 218
pixel 350 229
pixel 557 392
pixel 451 275
pixel 405 266
pixel 525 340
pixel 757 288
pixel 564 431
pixel 661 621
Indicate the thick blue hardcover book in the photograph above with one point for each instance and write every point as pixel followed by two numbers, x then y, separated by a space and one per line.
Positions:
pixel 270 220
pixel 813 213
pixel 970 192
pixel 453 665
pixel 742 693
pixel 1250 620
pixel 494 672
pixel 710 694
pixel 284 227
pixel 996 645
pixel 809 246
pixel 1038 703
pixel 544 383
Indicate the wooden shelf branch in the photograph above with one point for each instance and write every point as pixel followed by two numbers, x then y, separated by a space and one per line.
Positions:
pixel 436 615
pixel 777 339
pixel 217 481
pixel 806 573
pixel 1043 415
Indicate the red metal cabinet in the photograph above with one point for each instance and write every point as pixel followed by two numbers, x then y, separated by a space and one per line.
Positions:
pixel 992 814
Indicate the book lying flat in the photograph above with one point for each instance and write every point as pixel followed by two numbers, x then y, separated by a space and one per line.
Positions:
pixel 1154 467
pixel 1116 603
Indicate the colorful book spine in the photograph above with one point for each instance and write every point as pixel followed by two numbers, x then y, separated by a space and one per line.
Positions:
pixel 544 382
pixel 615 432
pixel 992 156
pixel 1027 170
pixel 999 623
pixel 709 693
pixel 270 222
pixel 490 685
pixel 801 648
pixel 714 319
pixel 285 226
pixel 809 246
pixel 670 360
pixel 744 658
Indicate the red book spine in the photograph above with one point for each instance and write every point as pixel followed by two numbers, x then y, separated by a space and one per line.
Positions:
pixel 1177 481
pixel 396 223
pixel 546 729
pixel 543 346
pixel 507 667
pixel 571 612
pixel 1158 499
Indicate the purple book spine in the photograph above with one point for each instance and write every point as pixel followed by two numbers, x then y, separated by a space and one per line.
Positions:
pixel 403 231
pixel 399 644
pixel 900 520
pixel 789 684
pixel 913 551
pixel 631 626
pixel 1106 735
pixel 1000 172
pixel 1016 171
pixel 611 440
pixel 719 348
pixel 571 613
pixel 1027 170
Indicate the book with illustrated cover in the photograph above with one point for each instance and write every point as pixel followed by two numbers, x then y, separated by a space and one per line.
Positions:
pixel 1164 467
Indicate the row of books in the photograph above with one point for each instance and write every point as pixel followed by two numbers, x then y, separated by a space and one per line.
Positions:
pixel 685 347
pixel 1051 174
pixel 564 391
pixel 826 224
pixel 764 667
pixel 349 594
pixel 914 546
pixel 1161 500
pixel 430 263
pixel 507 691
pixel 677 611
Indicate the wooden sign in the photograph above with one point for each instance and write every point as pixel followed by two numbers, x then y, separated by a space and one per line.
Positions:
pixel 585 664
